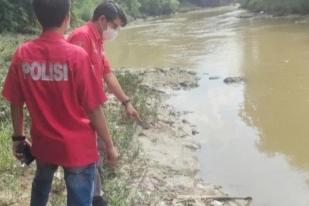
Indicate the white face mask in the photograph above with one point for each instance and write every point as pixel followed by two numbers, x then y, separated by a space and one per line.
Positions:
pixel 110 34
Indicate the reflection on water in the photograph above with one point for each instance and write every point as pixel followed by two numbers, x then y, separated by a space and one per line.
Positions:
pixel 277 95
pixel 170 42
pixel 254 135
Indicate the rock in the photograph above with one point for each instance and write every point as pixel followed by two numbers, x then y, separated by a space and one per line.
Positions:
pixel 154 140
pixel 172 113
pixel 160 69
pixel 184 121
pixel 187 112
pixel 233 80
pixel 214 78
pixel 194 132
pixel 217 187
pixel 144 125
pixel 192 73
pixel 192 146
pixel 142 134
pixel 168 122
pixel 183 84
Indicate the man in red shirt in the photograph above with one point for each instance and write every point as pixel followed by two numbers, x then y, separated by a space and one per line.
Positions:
pixel 57 82
pixel 107 18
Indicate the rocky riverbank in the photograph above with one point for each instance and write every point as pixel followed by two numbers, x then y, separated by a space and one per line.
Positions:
pixel 159 164
pixel 168 173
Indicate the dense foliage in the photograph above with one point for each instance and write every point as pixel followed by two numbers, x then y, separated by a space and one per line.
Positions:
pixel 279 7
pixel 17 15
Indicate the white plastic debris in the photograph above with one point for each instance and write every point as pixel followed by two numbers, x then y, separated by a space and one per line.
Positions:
pixel 216 203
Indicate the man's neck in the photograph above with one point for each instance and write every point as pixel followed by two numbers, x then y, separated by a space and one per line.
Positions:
pixel 58 30
pixel 97 27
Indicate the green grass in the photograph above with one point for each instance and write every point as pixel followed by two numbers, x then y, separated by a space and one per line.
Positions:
pixel 8 44
pixel 116 184
pixel 11 171
pixel 7 160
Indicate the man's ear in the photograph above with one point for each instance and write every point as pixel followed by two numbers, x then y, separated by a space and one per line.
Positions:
pixel 103 21
pixel 67 21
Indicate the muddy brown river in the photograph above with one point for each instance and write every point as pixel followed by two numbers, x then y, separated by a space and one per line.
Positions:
pixel 254 135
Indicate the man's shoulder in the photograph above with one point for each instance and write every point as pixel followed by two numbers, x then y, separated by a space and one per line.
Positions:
pixel 82 32
pixel 23 47
pixel 75 51
pixel 28 43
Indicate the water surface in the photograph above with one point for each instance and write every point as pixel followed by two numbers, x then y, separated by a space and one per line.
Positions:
pixel 255 136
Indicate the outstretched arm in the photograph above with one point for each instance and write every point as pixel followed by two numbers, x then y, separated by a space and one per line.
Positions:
pixel 115 87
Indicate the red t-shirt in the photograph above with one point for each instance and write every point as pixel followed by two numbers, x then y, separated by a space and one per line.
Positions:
pixel 89 38
pixel 57 82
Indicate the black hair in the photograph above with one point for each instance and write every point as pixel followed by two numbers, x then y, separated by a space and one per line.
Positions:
pixel 122 15
pixel 51 13
pixel 111 11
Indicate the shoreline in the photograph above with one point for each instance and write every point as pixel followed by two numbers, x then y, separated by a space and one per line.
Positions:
pixel 168 174
pixel 159 164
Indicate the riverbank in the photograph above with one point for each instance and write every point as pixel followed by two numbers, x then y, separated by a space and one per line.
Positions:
pixel 166 171
pixel 277 7
pixel 158 164
pixel 262 15
pixel 241 125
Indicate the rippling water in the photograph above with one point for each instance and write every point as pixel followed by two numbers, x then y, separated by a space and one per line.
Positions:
pixel 255 135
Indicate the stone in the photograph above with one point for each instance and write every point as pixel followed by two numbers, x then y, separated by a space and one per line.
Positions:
pixel 194 132
pixel 192 146
pixel 214 78
pixel 184 121
pixel 233 80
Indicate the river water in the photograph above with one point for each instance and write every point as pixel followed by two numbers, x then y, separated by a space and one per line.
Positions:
pixel 255 136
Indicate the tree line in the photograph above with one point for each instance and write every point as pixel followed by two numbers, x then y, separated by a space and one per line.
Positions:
pixel 17 15
pixel 277 7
